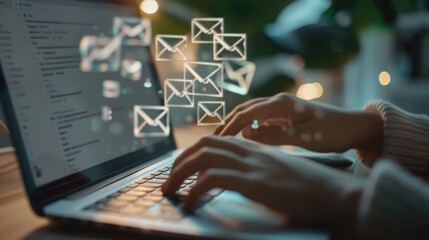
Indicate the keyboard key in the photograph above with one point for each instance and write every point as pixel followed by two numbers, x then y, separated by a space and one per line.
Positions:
pixel 163 177
pixel 192 178
pixel 133 185
pixel 153 198
pixel 124 190
pixel 136 193
pixel 214 192
pixel 144 189
pixel 153 185
pixel 148 177
pixel 116 204
pixel 141 181
pixel 157 173
pixel 188 181
pixel 161 181
pixel 144 204
pixel 127 198
pixel 157 193
pixel 131 210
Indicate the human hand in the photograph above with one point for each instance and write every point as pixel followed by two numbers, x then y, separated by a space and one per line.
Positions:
pixel 301 189
pixel 287 120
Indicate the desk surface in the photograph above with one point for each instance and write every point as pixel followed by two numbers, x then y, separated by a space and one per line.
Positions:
pixel 18 220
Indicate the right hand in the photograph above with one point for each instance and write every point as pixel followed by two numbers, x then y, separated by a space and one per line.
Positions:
pixel 287 120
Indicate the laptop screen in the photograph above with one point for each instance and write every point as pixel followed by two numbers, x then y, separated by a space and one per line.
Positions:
pixel 72 121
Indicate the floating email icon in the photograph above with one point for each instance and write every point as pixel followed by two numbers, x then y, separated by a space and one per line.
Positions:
pixel 204 29
pixel 133 31
pixel 207 78
pixel 211 113
pixel 171 48
pixel 239 76
pixel 111 89
pixel 131 69
pixel 179 93
pixel 229 46
pixel 151 121
pixel 100 54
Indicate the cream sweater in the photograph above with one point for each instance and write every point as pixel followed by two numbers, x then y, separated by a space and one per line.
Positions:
pixel 395 203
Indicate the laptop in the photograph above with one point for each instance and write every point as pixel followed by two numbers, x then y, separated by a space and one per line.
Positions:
pixel 81 167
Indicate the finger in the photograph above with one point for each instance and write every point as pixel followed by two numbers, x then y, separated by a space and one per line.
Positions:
pixel 216 142
pixel 219 178
pixel 238 109
pixel 205 159
pixel 259 111
pixel 3 127
pixel 276 122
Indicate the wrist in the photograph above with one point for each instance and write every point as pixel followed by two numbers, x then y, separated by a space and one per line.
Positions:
pixel 369 133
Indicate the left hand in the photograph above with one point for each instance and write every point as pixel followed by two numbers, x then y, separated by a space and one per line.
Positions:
pixel 301 189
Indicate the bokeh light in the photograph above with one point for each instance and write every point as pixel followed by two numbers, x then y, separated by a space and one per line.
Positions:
pixel 384 78
pixel 310 91
pixel 149 6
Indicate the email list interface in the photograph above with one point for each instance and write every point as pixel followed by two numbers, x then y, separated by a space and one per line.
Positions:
pixel 39 53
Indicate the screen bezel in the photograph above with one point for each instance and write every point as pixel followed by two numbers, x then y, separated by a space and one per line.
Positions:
pixel 39 196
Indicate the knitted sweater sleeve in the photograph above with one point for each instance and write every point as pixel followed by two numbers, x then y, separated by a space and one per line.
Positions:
pixel 406 138
pixel 394 205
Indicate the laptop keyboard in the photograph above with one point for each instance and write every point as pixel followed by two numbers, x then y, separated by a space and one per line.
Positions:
pixel 144 198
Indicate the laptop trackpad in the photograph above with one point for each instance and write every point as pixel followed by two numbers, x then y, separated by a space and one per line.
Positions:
pixel 238 214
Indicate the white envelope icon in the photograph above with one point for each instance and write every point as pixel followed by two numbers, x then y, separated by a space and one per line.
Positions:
pixel 211 113
pixel 133 31
pixel 179 93
pixel 229 46
pixel 100 54
pixel 203 29
pixel 111 89
pixel 151 121
pixel 131 69
pixel 171 47
pixel 239 76
pixel 207 78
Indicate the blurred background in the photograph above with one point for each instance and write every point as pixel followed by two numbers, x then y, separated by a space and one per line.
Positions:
pixel 341 52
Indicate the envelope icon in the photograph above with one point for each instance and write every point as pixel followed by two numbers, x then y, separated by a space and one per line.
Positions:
pixel 100 54
pixel 204 29
pixel 211 113
pixel 151 121
pixel 171 47
pixel 111 89
pixel 229 46
pixel 133 31
pixel 131 69
pixel 179 93
pixel 239 76
pixel 207 78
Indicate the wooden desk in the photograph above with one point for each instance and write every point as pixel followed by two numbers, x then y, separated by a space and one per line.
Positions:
pixel 18 220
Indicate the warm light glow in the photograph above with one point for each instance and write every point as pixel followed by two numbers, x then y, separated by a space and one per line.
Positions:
pixel 310 91
pixel 384 78
pixel 149 6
